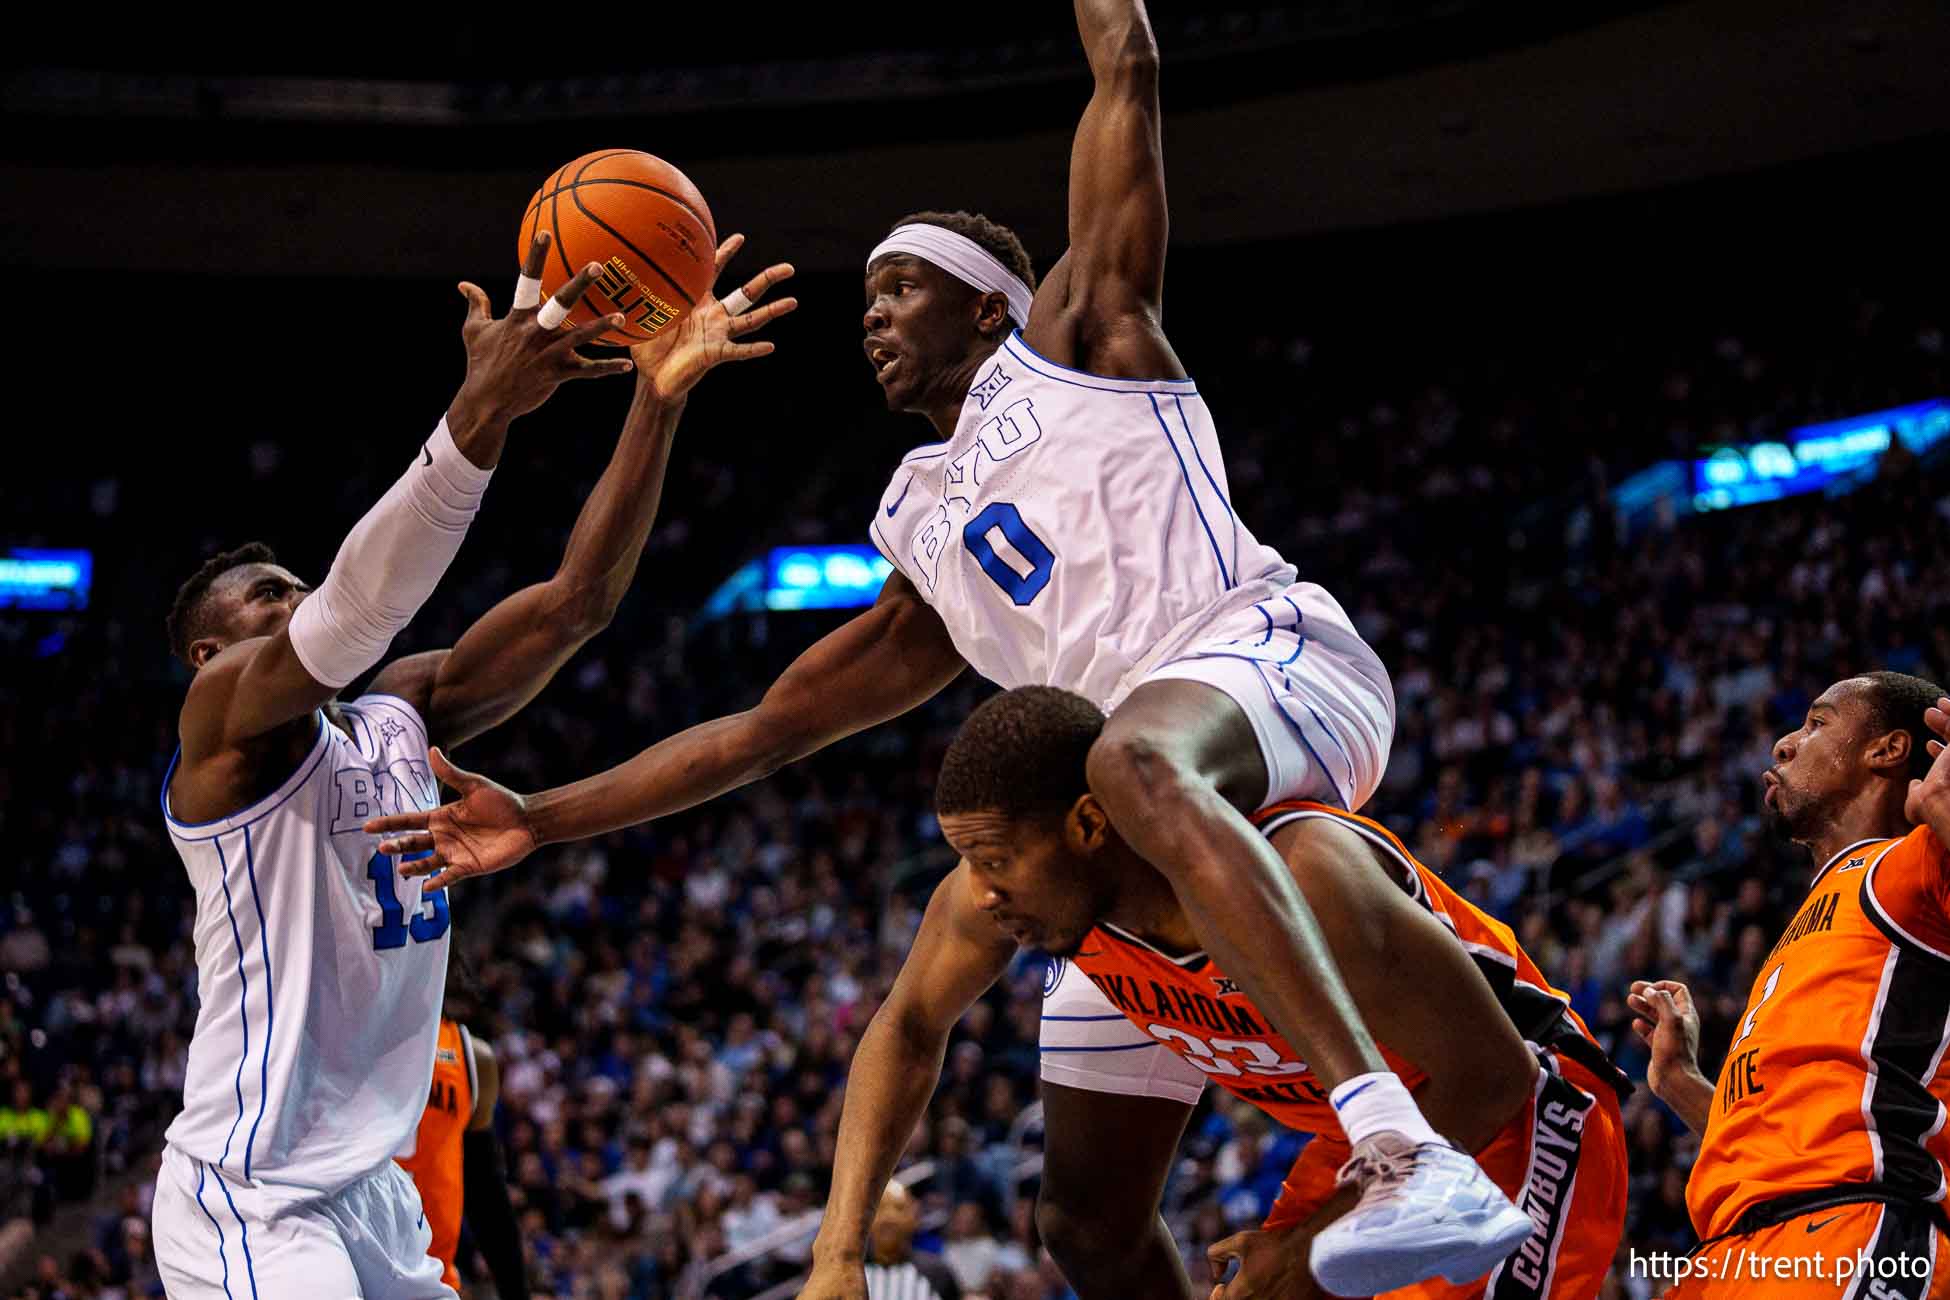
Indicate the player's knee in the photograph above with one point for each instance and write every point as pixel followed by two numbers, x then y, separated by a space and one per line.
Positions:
pixel 1134 771
pixel 1066 1234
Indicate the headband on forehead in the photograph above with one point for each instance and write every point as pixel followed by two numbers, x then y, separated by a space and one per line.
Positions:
pixel 962 258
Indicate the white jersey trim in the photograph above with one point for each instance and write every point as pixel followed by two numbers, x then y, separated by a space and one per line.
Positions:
pixel 253 811
pixel 1819 876
pixel 1018 347
pixel 1871 1071
pixel 1412 886
pixel 1192 958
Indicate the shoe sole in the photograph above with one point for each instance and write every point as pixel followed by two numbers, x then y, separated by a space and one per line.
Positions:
pixel 1369 1272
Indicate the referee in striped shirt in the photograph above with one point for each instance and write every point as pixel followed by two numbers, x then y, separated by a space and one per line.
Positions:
pixel 894 1271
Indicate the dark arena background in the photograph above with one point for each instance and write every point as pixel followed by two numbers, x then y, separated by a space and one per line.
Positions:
pixel 1513 318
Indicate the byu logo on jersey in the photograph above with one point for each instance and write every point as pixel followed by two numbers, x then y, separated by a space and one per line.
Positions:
pixel 1008 434
pixel 364 793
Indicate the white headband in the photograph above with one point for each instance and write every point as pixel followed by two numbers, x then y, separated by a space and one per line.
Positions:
pixel 962 258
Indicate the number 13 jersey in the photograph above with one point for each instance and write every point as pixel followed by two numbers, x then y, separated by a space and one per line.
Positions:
pixel 1075 531
pixel 320 970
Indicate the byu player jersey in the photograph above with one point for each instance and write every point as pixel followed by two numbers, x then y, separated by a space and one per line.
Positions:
pixel 1076 531
pixel 320 969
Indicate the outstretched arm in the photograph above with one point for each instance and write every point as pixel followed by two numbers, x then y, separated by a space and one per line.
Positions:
pixel 957 955
pixel 875 667
pixel 1099 307
pixel 1118 222
pixel 515 649
pixel 393 558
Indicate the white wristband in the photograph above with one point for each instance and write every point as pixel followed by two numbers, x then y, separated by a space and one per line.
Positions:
pixel 528 292
pixel 551 315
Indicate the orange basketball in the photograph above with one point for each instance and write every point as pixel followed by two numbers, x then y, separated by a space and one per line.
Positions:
pixel 643 220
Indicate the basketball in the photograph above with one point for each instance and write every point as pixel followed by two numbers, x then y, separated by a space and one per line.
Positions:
pixel 643 220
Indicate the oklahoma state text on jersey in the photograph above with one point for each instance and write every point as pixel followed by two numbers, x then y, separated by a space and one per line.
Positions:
pixel 1189 1004
pixel 1836 1074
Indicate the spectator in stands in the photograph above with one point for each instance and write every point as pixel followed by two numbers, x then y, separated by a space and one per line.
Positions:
pixel 702 981
pixel 972 1250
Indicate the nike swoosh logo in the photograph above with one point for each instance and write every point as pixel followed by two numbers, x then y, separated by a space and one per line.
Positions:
pixel 1352 1095
pixel 1817 1227
pixel 426 453
pixel 902 497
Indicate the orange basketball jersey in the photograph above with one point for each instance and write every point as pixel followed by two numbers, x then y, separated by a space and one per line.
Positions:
pixel 1836 1075
pixel 1188 1003
pixel 436 1160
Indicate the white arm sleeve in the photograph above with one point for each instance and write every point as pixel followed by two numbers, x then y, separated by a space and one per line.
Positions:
pixel 389 563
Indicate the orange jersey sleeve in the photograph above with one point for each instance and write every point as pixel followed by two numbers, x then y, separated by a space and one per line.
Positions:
pixel 1911 887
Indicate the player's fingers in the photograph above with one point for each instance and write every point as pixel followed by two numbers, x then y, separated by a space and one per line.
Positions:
pixel 589 368
pixel 410 844
pixel 425 865
pixel 760 317
pixel 568 296
pixel 726 251
pixel 447 774
pixel 582 334
pixel 1643 1028
pixel 747 351
pixel 1220 1254
pixel 441 881
pixel 767 280
pixel 479 310
pixel 391 822
pixel 537 258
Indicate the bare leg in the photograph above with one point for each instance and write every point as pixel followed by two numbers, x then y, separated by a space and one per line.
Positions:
pixel 1176 762
pixel 1105 1160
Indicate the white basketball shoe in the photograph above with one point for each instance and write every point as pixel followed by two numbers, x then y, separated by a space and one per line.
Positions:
pixel 1425 1209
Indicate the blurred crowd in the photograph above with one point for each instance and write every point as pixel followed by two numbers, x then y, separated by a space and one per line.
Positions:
pixel 1584 711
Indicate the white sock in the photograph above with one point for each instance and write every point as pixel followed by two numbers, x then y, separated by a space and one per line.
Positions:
pixel 1378 1103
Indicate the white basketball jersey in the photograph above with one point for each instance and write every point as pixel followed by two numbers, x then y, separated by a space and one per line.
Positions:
pixel 320 969
pixel 1076 531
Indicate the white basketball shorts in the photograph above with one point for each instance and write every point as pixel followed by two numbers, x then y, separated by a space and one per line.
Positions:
pixel 1322 707
pixel 218 1238
pixel 1318 698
